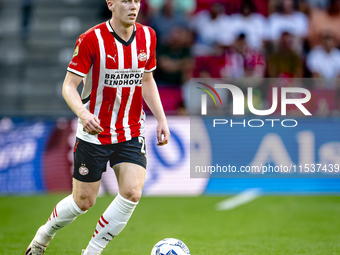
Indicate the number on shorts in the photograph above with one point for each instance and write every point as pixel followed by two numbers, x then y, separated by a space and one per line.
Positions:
pixel 142 141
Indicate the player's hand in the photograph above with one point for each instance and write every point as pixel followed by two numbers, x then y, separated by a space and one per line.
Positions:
pixel 163 133
pixel 90 123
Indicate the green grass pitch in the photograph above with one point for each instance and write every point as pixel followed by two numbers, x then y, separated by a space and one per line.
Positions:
pixel 267 225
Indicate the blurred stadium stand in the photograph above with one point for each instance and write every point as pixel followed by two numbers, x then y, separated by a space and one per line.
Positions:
pixel 33 61
pixel 37 40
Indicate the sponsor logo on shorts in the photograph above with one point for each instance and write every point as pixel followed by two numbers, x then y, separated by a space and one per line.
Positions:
pixel 142 56
pixel 83 170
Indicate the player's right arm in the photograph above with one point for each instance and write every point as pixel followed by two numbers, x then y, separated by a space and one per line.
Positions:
pixel 90 122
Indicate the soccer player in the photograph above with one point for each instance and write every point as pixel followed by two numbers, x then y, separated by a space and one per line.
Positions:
pixel 115 60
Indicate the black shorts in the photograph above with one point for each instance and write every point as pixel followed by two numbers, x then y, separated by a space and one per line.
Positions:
pixel 90 159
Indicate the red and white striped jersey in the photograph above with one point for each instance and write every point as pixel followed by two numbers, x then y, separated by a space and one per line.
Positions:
pixel 113 71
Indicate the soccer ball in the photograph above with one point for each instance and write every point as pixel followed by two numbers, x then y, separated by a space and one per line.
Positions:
pixel 170 246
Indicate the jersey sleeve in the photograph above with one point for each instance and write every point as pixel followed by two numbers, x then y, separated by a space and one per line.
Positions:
pixel 151 63
pixel 82 57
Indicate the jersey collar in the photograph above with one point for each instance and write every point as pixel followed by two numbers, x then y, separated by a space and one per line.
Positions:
pixel 119 39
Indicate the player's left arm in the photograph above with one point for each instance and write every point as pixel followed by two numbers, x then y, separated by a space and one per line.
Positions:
pixel 152 99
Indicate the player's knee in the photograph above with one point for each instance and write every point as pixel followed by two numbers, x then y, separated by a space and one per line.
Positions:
pixel 85 203
pixel 133 195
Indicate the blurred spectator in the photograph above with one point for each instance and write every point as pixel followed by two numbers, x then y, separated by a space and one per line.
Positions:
pixel 322 21
pixel 234 62
pixel 250 23
pixel 287 19
pixel 174 58
pixel 166 19
pixel 211 28
pixel 324 61
pixel 285 62
pixel 187 6
pixel 243 61
pixel 233 6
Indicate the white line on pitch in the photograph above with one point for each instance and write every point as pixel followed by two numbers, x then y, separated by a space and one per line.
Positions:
pixel 243 198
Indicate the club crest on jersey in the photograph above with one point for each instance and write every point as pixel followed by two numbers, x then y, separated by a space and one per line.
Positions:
pixel 83 170
pixel 142 56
